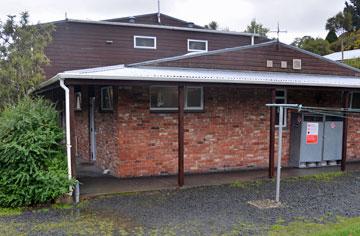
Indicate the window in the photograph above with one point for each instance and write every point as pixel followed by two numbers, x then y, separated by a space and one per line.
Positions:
pixel 281 98
pixel 355 101
pixel 78 101
pixel 269 63
pixel 107 99
pixel 165 98
pixel 297 64
pixel 195 45
pixel 284 64
pixel 146 42
pixel 194 98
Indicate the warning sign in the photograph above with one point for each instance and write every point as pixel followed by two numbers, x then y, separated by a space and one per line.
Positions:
pixel 312 133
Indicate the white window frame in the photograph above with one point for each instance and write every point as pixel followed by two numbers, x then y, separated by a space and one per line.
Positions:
pixel 144 37
pixel 186 108
pixel 197 40
pixel 351 102
pixel 102 97
pixel 284 97
pixel 297 64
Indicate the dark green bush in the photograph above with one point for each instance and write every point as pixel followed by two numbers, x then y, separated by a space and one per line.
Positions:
pixel 32 157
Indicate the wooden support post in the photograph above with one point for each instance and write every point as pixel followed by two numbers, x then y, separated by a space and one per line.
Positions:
pixel 116 101
pixel 181 136
pixel 272 136
pixel 346 104
pixel 72 99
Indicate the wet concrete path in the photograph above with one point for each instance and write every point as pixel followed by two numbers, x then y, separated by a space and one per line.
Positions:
pixel 94 183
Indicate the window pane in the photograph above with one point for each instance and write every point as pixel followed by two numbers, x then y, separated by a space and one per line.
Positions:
pixel 164 97
pixel 280 93
pixel 280 101
pixel 194 97
pixel 355 101
pixel 195 45
pixel 145 42
pixel 106 98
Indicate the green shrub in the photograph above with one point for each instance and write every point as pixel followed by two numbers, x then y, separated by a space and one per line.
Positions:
pixel 32 157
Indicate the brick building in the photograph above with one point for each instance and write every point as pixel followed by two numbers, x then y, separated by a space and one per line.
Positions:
pixel 204 111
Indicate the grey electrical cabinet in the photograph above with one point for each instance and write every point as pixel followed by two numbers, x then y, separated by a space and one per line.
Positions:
pixel 333 138
pixel 316 140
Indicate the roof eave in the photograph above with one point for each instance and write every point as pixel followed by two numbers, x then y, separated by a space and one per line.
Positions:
pixel 163 27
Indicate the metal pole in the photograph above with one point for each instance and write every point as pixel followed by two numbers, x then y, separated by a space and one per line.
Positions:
pixel 281 116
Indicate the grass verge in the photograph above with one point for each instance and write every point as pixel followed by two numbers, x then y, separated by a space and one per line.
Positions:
pixel 10 212
pixel 342 226
pixel 325 176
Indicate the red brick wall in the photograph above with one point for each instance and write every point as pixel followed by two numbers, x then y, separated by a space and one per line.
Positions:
pixel 231 133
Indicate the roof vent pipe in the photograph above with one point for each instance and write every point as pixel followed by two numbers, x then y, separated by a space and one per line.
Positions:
pixel 132 19
pixel 158 13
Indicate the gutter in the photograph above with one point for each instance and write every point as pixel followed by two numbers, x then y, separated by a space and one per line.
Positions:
pixel 67 124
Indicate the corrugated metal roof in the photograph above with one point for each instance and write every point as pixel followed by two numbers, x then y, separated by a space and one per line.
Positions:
pixel 350 54
pixel 159 27
pixel 208 76
pixel 240 48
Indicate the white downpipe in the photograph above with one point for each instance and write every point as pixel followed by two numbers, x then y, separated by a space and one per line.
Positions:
pixel 67 124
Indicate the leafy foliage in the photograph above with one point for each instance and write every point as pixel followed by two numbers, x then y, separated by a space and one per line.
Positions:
pixel 212 25
pixel 353 62
pixel 350 41
pixel 21 56
pixel 315 45
pixel 340 22
pixel 331 36
pixel 32 158
pixel 256 28
pixel 353 8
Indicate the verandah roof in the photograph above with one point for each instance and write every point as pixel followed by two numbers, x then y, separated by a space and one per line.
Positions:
pixel 194 75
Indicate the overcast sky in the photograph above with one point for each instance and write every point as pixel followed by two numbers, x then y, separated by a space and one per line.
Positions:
pixel 298 17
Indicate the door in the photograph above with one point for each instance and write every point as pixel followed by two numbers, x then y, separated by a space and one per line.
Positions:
pixel 92 129
pixel 333 138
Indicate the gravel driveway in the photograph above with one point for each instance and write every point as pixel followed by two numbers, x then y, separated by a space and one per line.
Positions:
pixel 216 210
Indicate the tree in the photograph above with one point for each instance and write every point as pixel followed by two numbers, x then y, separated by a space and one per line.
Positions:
pixel 256 28
pixel 212 25
pixel 315 45
pixel 340 22
pixel 331 36
pixel 353 8
pixel 21 56
pixel 32 154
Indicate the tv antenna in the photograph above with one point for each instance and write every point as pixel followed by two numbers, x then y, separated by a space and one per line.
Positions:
pixel 278 31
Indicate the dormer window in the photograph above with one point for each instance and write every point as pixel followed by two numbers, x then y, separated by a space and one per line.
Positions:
pixel 144 42
pixel 195 45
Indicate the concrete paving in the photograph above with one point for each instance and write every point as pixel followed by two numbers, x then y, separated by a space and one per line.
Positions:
pixel 94 183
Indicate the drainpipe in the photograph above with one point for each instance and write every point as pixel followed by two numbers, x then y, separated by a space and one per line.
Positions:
pixel 67 125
